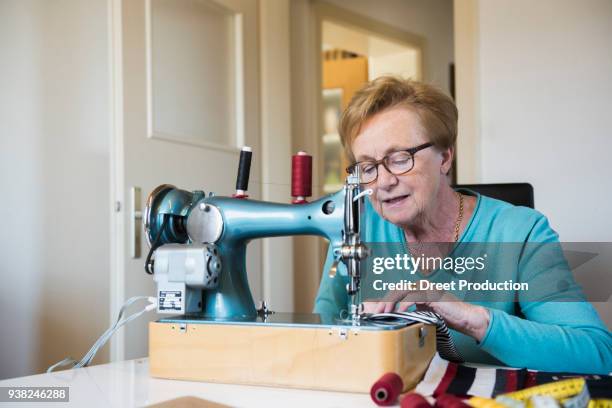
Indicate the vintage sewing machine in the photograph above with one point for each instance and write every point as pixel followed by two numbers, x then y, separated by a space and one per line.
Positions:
pixel 198 248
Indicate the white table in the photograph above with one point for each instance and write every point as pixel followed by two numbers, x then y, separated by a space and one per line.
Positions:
pixel 128 384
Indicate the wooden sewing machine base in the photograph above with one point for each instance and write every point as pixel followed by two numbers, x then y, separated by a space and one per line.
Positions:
pixel 289 350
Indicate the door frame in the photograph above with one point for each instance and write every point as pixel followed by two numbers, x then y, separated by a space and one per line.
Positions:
pixel 117 203
pixel 467 89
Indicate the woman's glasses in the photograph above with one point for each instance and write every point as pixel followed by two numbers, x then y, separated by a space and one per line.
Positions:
pixel 397 163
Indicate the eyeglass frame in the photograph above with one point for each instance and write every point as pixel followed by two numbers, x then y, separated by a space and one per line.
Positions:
pixel 376 163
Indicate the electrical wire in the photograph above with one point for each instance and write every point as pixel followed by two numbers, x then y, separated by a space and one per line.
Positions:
pixel 119 322
pixel 155 244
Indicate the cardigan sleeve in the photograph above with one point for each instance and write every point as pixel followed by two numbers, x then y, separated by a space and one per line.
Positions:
pixel 560 331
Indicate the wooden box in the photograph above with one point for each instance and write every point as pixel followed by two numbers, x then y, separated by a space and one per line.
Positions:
pixel 338 358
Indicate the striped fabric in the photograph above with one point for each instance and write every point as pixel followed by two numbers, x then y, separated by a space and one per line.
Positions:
pixel 444 342
pixel 444 377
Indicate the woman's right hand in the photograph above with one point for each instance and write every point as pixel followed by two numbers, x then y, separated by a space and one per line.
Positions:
pixel 471 320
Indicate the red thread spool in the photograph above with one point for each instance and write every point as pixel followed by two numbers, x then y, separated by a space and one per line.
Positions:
pixel 301 177
pixel 387 389
pixel 414 400
pixel 450 401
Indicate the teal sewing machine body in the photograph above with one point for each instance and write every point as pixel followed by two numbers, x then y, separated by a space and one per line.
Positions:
pixel 199 242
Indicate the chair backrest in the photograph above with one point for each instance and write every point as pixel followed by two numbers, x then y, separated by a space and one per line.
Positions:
pixel 513 193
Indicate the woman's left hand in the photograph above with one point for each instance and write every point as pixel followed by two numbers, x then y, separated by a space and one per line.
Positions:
pixel 471 320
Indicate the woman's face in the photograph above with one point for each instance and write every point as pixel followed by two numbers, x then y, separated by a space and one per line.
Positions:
pixel 401 199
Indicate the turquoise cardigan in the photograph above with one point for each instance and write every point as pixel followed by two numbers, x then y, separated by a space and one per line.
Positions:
pixel 548 336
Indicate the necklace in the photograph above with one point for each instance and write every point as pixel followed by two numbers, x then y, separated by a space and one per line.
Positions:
pixel 457 226
pixel 459 217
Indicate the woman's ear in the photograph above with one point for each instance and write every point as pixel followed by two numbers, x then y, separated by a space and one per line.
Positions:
pixel 447 160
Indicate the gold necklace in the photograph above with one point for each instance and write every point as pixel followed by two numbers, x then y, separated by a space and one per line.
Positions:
pixel 459 217
pixel 457 225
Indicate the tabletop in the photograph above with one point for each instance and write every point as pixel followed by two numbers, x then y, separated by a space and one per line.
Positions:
pixel 128 384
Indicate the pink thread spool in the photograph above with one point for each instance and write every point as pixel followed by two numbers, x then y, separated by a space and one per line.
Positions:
pixel 301 177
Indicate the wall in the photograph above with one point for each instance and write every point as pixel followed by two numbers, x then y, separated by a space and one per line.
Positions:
pixel 542 106
pixel 54 173
pixel 546 98
pixel 408 61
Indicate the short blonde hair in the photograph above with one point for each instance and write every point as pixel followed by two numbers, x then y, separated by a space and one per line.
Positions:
pixel 437 110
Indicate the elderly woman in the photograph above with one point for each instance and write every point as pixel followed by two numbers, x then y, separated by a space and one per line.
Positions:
pixel 402 135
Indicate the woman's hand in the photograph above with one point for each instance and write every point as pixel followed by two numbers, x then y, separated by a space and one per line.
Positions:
pixel 471 320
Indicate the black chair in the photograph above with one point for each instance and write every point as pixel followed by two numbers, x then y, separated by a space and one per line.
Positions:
pixel 513 193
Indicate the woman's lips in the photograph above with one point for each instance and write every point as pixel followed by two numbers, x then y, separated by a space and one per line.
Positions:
pixel 396 201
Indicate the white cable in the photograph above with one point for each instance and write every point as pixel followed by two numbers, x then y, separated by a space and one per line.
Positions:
pixel 109 332
pixel 86 360
pixel 118 324
pixel 363 193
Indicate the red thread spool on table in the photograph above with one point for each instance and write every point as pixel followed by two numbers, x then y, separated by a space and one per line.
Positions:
pixel 450 401
pixel 301 177
pixel 387 389
pixel 414 400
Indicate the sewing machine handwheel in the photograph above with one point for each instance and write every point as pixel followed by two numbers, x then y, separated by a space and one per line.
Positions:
pixel 163 203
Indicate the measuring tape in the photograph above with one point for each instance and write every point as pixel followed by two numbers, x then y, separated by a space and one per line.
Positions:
pixel 572 393
pixel 559 390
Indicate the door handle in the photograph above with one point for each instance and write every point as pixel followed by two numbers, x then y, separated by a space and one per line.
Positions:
pixel 136 222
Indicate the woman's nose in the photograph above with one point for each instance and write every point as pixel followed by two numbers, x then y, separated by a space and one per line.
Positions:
pixel 385 179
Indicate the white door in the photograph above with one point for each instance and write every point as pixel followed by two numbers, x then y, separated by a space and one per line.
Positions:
pixel 190 99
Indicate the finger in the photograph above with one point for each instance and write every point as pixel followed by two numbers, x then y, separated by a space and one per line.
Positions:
pixel 403 306
pixel 380 307
pixel 389 306
pixel 369 307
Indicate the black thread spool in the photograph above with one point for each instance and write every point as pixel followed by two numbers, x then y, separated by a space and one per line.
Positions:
pixel 244 171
